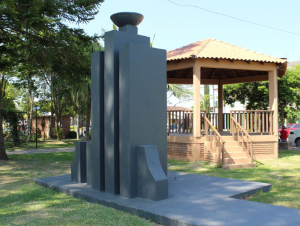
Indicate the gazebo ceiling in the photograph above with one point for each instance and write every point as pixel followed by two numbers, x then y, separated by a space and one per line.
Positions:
pixel 218 50
pixel 214 73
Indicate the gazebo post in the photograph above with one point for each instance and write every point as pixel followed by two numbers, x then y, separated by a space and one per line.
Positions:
pixel 196 88
pixel 273 103
pixel 220 106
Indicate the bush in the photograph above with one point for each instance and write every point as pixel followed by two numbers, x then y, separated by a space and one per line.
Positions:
pixel 59 133
pixel 71 134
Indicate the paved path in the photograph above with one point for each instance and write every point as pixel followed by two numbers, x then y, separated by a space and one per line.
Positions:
pixel 193 200
pixel 36 151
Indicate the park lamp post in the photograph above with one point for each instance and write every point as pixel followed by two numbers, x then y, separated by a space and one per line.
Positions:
pixel 36 108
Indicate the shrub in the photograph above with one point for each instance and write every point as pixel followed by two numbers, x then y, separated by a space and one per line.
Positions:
pixel 59 133
pixel 71 134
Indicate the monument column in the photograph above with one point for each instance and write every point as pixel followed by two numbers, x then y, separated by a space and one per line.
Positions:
pixel 113 41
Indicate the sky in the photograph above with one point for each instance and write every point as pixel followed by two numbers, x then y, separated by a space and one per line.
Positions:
pixel 175 26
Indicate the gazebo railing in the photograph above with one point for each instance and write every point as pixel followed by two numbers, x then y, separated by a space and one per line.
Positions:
pixel 254 121
pixel 180 121
pixel 243 136
pixel 215 140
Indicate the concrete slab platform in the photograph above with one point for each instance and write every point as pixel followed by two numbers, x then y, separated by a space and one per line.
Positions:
pixel 193 200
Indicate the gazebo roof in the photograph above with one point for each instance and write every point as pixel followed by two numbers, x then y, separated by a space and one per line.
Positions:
pixel 212 49
pixel 215 49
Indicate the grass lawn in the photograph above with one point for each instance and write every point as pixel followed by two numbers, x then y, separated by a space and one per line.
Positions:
pixel 24 203
pixel 48 143
pixel 282 173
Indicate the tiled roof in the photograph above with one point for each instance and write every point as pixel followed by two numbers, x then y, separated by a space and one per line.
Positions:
pixel 171 108
pixel 293 63
pixel 215 49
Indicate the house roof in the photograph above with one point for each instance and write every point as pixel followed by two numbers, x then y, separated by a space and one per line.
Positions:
pixel 215 49
pixel 171 108
pixel 293 63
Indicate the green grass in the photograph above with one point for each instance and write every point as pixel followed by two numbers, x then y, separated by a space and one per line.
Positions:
pixel 22 202
pixel 49 143
pixel 282 173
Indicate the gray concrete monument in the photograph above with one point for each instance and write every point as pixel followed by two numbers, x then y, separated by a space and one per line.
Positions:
pixel 128 151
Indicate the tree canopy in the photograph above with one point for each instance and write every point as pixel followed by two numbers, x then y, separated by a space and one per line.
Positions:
pixel 255 95
pixel 36 41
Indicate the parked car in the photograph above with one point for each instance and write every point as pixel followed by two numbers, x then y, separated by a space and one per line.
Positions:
pixel 295 137
pixel 291 127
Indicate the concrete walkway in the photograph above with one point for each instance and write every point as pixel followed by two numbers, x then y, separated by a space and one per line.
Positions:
pixel 193 200
pixel 39 151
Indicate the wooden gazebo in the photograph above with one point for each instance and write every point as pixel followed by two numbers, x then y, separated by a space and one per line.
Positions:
pixel 255 132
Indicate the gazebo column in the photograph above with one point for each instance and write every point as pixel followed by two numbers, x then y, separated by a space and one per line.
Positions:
pixel 220 107
pixel 273 103
pixel 196 87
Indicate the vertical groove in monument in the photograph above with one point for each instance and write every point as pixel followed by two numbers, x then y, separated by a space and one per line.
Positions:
pixel 95 148
pixel 113 41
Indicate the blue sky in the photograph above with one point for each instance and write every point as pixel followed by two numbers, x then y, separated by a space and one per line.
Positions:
pixel 175 26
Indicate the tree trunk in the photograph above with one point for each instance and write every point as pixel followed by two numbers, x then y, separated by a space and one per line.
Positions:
pixel 31 110
pixel 88 116
pixel 78 124
pixel 282 117
pixel 3 155
pixel 50 124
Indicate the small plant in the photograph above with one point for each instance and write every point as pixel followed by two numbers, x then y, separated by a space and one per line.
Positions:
pixel 59 133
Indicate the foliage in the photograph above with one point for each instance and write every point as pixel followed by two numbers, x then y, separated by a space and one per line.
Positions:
pixel 256 95
pixel 71 135
pixel 206 99
pixel 182 92
pixel 16 128
pixel 59 132
pixel 37 41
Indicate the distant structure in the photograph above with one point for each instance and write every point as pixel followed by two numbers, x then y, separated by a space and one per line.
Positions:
pixel 128 152
pixel 293 63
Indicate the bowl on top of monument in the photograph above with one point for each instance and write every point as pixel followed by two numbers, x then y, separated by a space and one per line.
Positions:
pixel 127 18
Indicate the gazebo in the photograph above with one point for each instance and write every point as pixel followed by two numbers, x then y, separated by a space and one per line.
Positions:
pixel 232 140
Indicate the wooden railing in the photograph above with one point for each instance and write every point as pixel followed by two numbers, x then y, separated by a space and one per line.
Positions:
pixel 254 121
pixel 243 135
pixel 214 136
pixel 180 121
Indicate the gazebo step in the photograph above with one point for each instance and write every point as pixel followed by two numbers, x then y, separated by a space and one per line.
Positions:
pixel 235 155
pixel 233 149
pixel 239 166
pixel 238 160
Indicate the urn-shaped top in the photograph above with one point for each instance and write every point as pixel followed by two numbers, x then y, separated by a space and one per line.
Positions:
pixel 127 18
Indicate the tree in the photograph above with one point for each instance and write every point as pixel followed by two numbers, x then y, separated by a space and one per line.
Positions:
pixel 206 99
pixel 181 92
pixel 39 28
pixel 256 95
